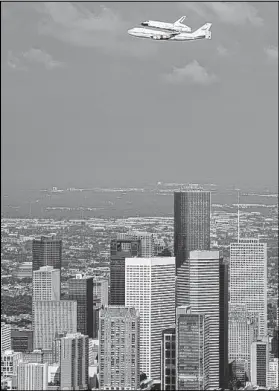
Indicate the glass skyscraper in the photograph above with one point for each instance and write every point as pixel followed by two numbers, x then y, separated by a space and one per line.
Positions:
pixel 191 223
pixel 81 291
pixel 47 251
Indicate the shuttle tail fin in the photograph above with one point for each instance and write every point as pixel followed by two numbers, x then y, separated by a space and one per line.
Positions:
pixel 203 29
pixel 180 20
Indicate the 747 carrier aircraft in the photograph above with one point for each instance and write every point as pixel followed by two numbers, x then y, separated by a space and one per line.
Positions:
pixel 201 33
pixel 176 26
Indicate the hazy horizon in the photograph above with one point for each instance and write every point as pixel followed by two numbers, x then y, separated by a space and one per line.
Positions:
pixel 86 105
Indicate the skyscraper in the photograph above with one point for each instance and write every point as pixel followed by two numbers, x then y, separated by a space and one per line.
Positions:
pixel 224 324
pixel 192 350
pixel 207 293
pixel 119 250
pixel 47 251
pixel 22 340
pixel 248 278
pixel 6 342
pixel 243 330
pixel 191 223
pixel 168 359
pixel 259 363
pixel 101 289
pixel 46 284
pixel 147 242
pixel 32 376
pixel 9 362
pixel 272 375
pixel 150 288
pixel 74 362
pixel 81 290
pixel 119 344
pixel 51 317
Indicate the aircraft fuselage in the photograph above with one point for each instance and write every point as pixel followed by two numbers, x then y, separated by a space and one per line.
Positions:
pixel 164 35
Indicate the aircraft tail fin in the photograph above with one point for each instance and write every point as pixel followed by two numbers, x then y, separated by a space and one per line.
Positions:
pixel 180 20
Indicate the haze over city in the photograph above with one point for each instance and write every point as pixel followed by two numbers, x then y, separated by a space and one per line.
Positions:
pixel 95 107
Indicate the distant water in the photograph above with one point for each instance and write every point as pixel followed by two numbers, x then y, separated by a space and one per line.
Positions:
pixel 107 204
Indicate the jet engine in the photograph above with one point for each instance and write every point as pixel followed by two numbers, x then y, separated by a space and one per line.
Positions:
pixel 157 37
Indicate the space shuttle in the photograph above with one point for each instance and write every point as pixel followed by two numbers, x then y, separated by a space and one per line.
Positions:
pixel 177 26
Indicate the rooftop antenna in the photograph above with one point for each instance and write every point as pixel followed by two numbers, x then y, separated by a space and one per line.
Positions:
pixel 238 218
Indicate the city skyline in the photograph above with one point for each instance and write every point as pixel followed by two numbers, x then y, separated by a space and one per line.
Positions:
pixel 82 88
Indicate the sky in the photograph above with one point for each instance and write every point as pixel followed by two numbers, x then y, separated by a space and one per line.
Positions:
pixel 85 104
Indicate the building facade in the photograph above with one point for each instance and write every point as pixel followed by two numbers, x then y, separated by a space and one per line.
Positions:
pixel 51 317
pixel 168 359
pixel 259 363
pixel 248 278
pixel 150 289
pixel 119 347
pixel 81 291
pixel 272 375
pixel 243 331
pixel 6 341
pixel 206 274
pixel 46 284
pixel 9 362
pixel 191 223
pixel 119 250
pixel 32 376
pixel 22 340
pixel 101 290
pixel 192 350
pixel 47 251
pixel 74 362
pixel 147 242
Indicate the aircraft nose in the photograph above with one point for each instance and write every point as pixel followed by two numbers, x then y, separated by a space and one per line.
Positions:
pixel 131 31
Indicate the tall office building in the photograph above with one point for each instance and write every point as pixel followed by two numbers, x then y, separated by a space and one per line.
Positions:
pixel 274 343
pixel 191 223
pixel 74 362
pixel 6 342
pixel 192 350
pixel 248 278
pixel 119 250
pixel 272 375
pixel 101 289
pixel 81 290
pixel 22 340
pixel 47 251
pixel 119 345
pixel 259 363
pixel 46 284
pixel 208 294
pixel 96 311
pixel 168 359
pixel 9 362
pixel 243 331
pixel 150 289
pixel 37 356
pixel 224 324
pixel 51 317
pixel 32 376
pixel 147 242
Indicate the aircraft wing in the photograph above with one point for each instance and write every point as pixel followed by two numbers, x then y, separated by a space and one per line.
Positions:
pixel 165 35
